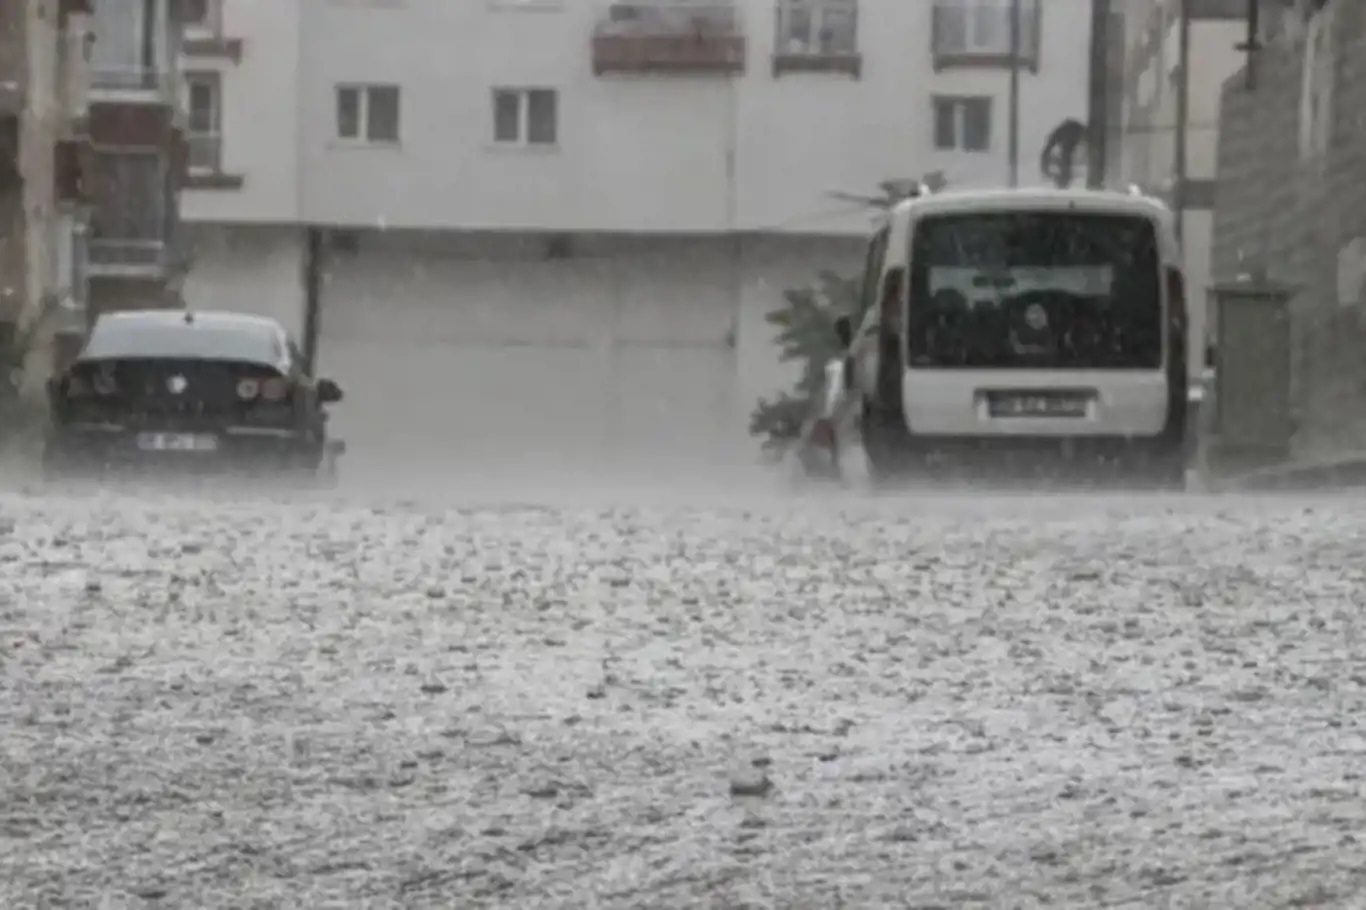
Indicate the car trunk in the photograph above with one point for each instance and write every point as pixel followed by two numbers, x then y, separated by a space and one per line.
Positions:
pixel 171 392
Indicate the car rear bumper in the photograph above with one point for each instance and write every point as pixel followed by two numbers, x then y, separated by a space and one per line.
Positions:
pixel 1084 460
pixel 92 445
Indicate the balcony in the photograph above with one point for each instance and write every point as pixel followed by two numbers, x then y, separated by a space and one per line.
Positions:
pixel 976 33
pixel 659 36
pixel 132 59
pixel 128 258
pixel 817 36
pixel 134 215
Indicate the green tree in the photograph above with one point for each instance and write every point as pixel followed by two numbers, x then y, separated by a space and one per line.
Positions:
pixel 806 335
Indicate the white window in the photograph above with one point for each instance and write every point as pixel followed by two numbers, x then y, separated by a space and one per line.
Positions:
pixel 204 121
pixel 368 114
pixel 962 124
pixel 981 28
pixel 202 16
pixel 817 26
pixel 525 116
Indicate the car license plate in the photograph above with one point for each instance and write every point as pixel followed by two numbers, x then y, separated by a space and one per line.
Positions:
pixel 1042 404
pixel 177 442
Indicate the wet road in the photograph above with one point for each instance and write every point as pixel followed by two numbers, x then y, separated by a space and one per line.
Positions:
pixel 925 702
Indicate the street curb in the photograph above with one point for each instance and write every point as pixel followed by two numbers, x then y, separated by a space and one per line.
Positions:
pixel 1344 472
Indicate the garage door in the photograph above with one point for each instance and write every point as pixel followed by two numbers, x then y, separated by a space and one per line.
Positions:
pixel 504 365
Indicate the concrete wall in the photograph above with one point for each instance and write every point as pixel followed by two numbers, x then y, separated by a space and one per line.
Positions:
pixel 1291 197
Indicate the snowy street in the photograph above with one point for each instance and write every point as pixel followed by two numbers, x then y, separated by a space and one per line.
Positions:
pixel 819 702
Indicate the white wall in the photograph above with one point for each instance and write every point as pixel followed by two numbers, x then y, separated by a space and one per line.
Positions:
pixel 636 153
pixel 250 269
pixel 261 117
pixel 457 348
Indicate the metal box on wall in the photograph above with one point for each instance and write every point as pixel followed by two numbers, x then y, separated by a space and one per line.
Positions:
pixel 1253 419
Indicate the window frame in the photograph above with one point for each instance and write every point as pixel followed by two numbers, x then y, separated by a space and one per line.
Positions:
pixel 211 25
pixel 364 92
pixel 523 94
pixel 973 51
pixel 214 81
pixel 817 11
pixel 960 104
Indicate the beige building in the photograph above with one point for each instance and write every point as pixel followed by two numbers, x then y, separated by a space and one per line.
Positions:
pixel 44 153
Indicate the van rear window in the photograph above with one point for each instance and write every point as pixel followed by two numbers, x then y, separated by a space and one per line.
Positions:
pixel 1043 289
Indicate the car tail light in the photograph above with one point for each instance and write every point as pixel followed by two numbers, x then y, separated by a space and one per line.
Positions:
pixel 275 390
pixel 247 389
pixel 823 434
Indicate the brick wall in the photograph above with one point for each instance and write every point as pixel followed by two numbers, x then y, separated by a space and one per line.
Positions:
pixel 1296 215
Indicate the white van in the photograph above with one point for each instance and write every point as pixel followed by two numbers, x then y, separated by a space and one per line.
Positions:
pixel 1041 329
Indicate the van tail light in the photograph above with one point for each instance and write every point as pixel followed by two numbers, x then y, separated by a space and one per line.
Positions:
pixel 1177 315
pixel 275 390
pixel 891 298
pixel 247 389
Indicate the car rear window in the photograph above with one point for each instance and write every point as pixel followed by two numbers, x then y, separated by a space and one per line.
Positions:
pixel 202 340
pixel 1044 289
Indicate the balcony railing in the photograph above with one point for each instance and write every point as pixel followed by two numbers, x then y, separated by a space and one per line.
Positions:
pixel 673 37
pixel 136 256
pixel 132 79
pixel 977 33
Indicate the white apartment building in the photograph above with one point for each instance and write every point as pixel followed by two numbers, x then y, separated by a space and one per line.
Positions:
pixel 557 225
pixel 1153 75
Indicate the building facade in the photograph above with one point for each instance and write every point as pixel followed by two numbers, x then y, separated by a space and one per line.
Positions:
pixel 89 154
pixel 1149 148
pixel 135 256
pixel 587 207
pixel 44 160
pixel 1290 204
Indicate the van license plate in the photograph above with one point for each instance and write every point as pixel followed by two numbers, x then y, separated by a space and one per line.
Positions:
pixel 1037 404
pixel 177 442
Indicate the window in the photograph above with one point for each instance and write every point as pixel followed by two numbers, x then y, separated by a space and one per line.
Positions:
pixel 1092 281
pixel 368 114
pixel 981 29
pixel 204 113
pixel 825 27
pixel 525 116
pixel 201 15
pixel 962 124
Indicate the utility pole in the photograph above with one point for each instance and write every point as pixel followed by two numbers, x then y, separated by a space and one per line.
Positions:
pixel 1183 92
pixel 1098 118
pixel 1015 92
pixel 314 252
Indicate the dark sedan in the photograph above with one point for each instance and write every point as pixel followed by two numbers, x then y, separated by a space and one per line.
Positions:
pixel 171 389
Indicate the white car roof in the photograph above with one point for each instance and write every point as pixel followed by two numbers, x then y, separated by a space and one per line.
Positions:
pixel 946 201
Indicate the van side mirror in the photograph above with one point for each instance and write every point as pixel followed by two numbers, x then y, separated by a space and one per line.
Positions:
pixel 844 331
pixel 328 391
